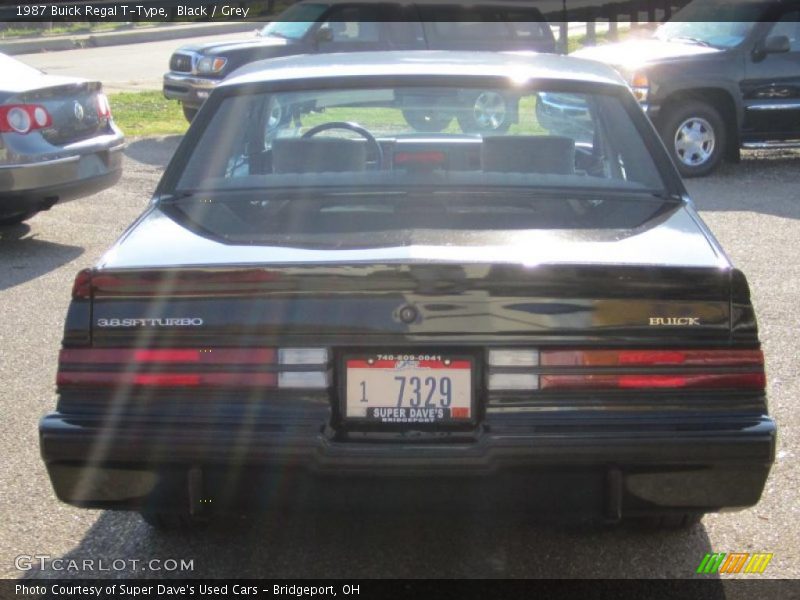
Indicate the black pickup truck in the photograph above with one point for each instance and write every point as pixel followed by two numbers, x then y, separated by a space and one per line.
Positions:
pixel 346 26
pixel 718 77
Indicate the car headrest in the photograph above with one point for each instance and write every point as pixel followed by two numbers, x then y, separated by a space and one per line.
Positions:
pixel 528 154
pixel 320 155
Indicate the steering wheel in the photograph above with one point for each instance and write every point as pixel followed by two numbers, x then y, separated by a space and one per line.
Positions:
pixel 349 126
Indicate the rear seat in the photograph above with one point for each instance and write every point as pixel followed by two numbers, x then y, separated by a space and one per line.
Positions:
pixel 321 155
pixel 547 154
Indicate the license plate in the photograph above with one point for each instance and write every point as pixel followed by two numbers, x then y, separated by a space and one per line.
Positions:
pixel 411 388
pixel 90 165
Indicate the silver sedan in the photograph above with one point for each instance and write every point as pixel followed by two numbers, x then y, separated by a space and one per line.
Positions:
pixel 58 140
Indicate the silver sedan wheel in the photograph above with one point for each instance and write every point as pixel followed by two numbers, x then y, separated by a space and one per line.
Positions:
pixel 694 142
pixel 490 110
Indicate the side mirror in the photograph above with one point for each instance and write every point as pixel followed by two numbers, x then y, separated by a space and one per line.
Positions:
pixel 774 44
pixel 323 35
pixel 777 44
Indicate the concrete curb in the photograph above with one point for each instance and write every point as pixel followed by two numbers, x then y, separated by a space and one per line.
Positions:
pixel 117 38
pixel 43 45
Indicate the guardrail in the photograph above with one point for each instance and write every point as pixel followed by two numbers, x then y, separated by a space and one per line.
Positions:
pixel 612 12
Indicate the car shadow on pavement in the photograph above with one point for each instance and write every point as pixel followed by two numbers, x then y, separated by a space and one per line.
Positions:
pixel 23 258
pixel 156 151
pixel 357 544
pixel 759 183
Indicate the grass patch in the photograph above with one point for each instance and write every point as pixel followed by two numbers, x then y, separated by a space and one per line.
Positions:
pixel 143 114
pixel 147 114
pixel 389 121
pixel 576 42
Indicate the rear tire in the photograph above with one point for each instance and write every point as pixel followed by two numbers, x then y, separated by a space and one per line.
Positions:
pixel 16 219
pixel 486 112
pixel 427 121
pixel 189 112
pixel 694 134
pixel 664 522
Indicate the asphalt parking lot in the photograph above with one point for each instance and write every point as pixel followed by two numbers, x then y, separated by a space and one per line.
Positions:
pixel 753 208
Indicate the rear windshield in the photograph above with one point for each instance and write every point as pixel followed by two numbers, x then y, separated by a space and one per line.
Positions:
pixel 406 136
pixel 338 166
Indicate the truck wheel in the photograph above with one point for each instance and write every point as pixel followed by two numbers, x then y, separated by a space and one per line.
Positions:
pixel 427 121
pixel 486 112
pixel 189 112
pixel 16 219
pixel 694 134
pixel 667 521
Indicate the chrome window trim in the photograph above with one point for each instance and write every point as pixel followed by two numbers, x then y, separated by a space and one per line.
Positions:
pixel 781 106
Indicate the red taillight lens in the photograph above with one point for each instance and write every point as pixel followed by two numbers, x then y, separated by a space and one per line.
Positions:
pixel 168 379
pixel 306 368
pixel 650 358
pixel 167 367
pixel 653 381
pixel 24 118
pixel 432 159
pixel 82 286
pixel 103 106
pixel 626 369
pixel 223 356
pixel 653 369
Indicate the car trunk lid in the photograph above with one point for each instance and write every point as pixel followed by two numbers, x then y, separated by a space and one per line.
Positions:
pixel 73 107
pixel 668 280
pixel 465 303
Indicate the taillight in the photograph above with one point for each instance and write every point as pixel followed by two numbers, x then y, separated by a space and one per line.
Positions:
pixel 307 368
pixel 694 380
pixel 650 358
pixel 168 379
pixel 82 286
pixel 126 356
pixel 24 118
pixel 430 158
pixel 625 369
pixel 103 106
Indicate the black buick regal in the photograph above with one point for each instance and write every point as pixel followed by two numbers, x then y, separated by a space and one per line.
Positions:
pixel 323 307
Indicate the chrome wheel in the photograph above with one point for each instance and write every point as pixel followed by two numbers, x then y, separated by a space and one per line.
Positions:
pixel 432 121
pixel 490 111
pixel 694 141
